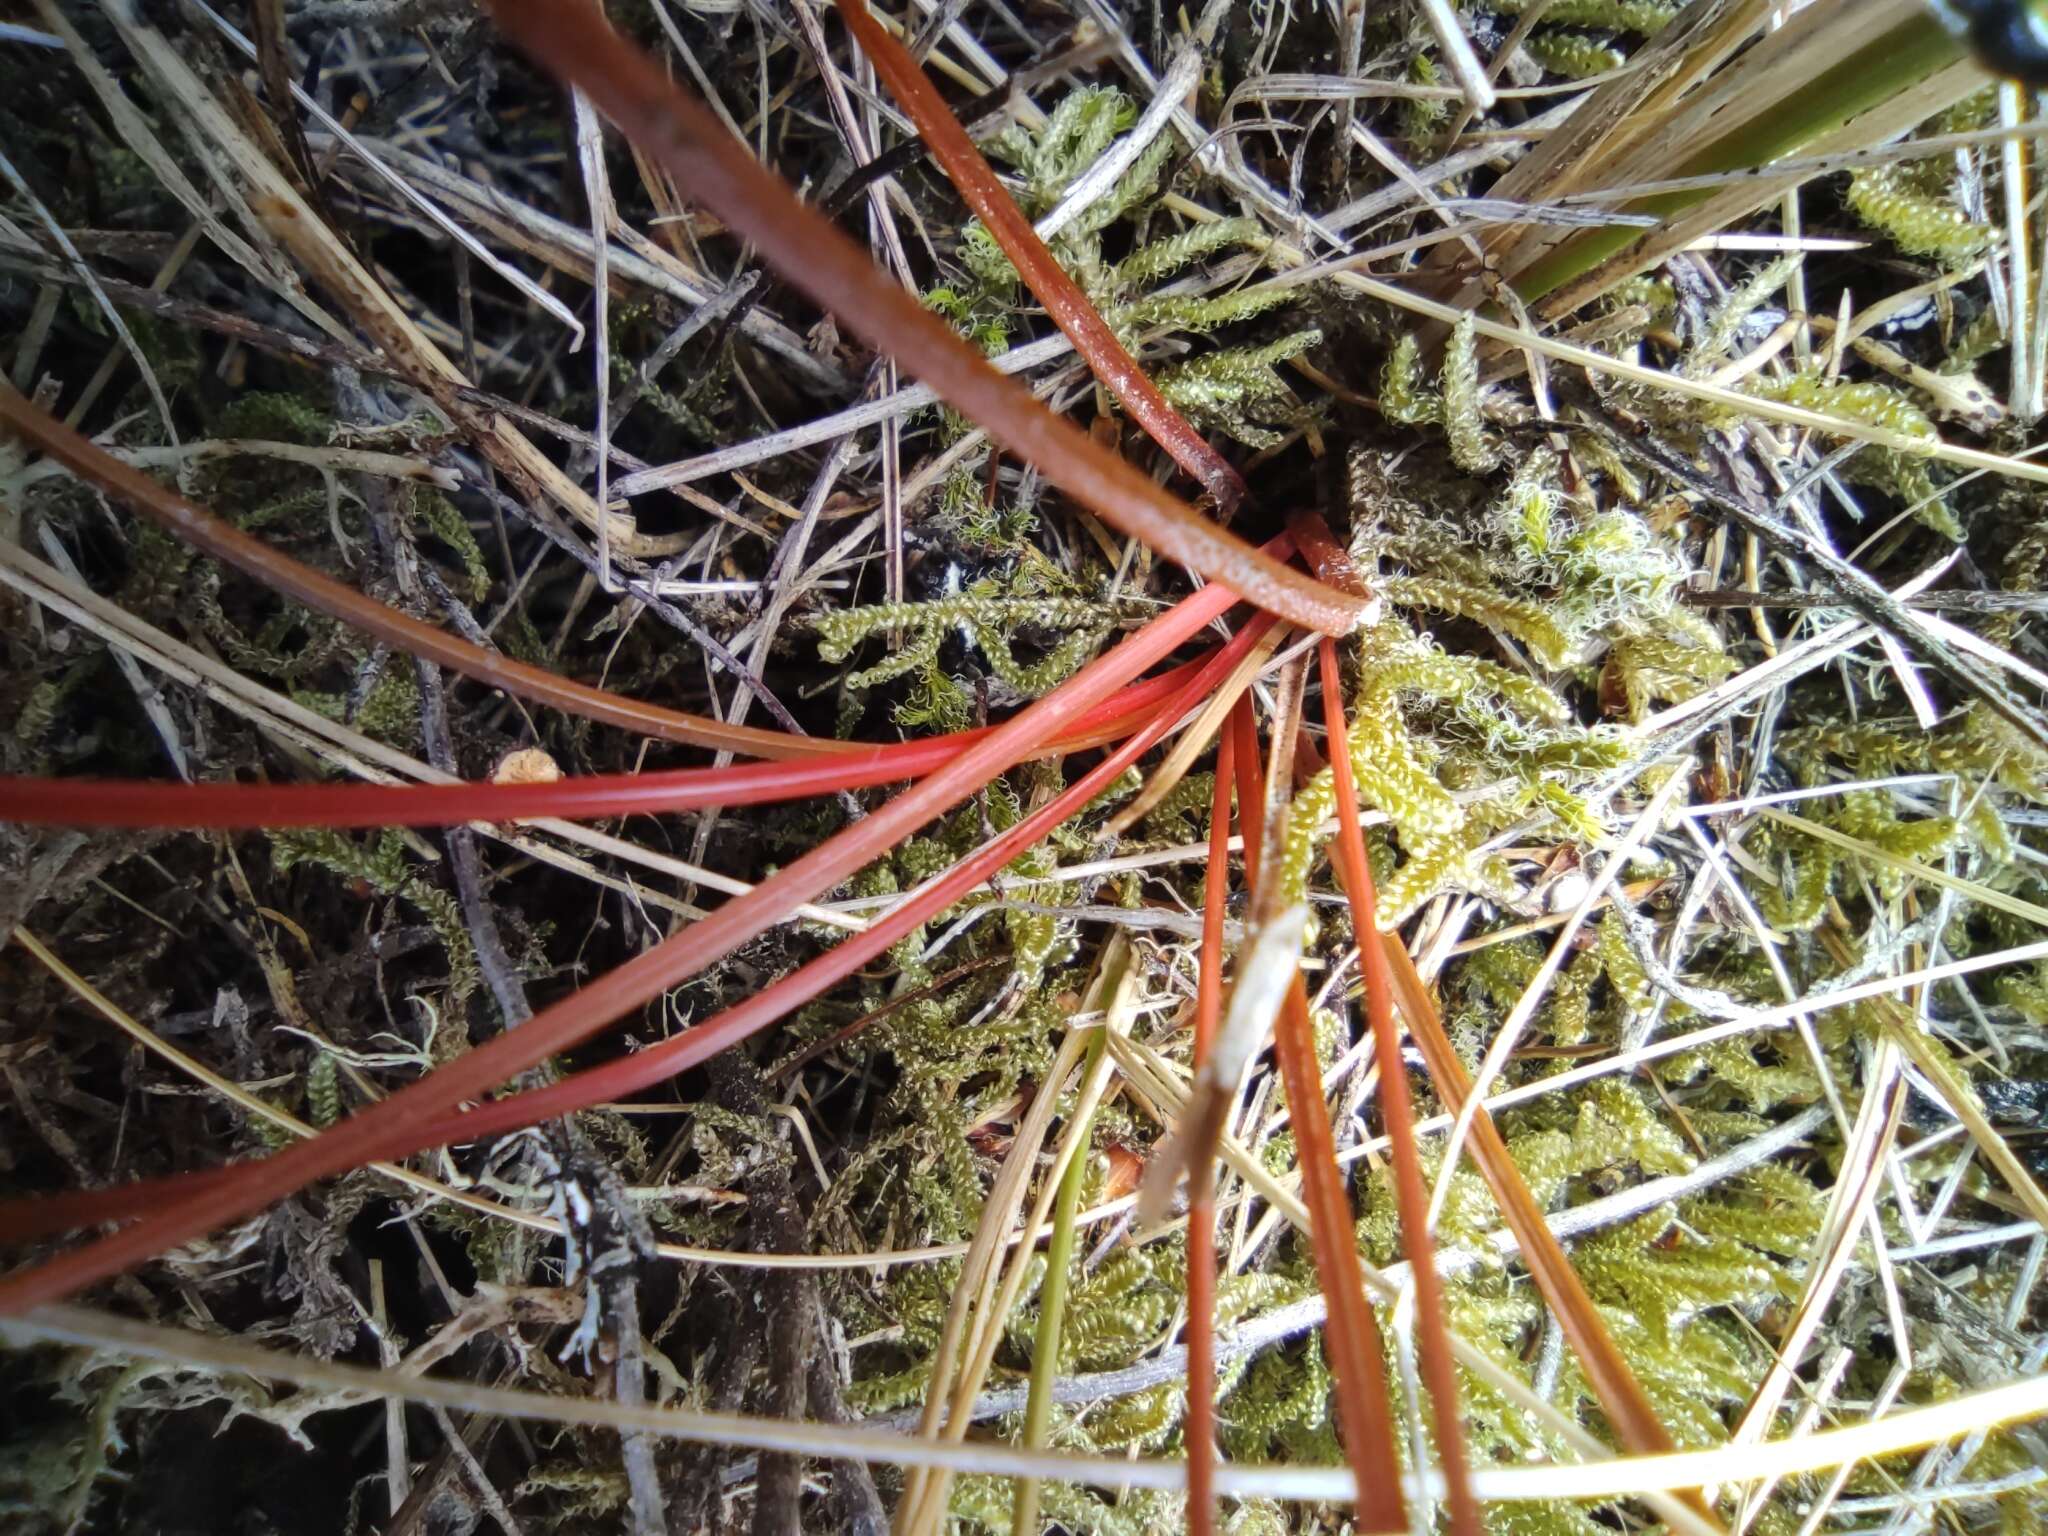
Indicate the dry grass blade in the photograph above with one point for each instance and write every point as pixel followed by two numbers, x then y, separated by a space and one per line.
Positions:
pixel 1834 62
pixel 987 1289
pixel 1268 963
pixel 1936 1066
pixel 1849 1214
pixel 1201 1326
pixel 288 577
pixel 572 41
pixel 1620 1477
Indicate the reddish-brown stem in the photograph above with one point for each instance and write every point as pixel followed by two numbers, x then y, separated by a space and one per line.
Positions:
pixel 1628 1409
pixel 360 1138
pixel 1048 281
pixel 1635 1422
pixel 283 574
pixel 1251 787
pixel 641 1070
pixel 1356 1350
pixel 124 803
pixel 26 1219
pixel 1201 1428
pixel 1330 560
pixel 570 38
pixel 1439 1372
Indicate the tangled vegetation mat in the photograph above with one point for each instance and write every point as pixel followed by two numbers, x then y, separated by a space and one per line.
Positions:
pixel 688 806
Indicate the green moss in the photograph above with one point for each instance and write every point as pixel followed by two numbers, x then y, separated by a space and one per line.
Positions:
pixel 1910 202
pixel 1645 17
pixel 1574 55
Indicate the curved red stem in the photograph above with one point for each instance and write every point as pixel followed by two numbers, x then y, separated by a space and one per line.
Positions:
pixel 21 1220
pixel 149 803
pixel 576 1018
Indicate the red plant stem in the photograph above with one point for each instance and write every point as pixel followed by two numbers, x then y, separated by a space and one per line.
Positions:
pixel 1251 787
pixel 1621 1396
pixel 1330 560
pixel 1201 1428
pixel 576 1018
pixel 643 1069
pixel 1439 1372
pixel 1048 281
pixel 124 803
pixel 570 38
pixel 25 1219
pixel 1356 1350
pixel 280 572
pixel 1627 1407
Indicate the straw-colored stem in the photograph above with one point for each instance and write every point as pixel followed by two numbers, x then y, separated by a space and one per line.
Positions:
pixel 1853 85
pixel 1052 1302
pixel 1201 1418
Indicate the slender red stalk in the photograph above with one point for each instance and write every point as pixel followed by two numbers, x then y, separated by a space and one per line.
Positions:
pixel 21 1220
pixel 30 1217
pixel 1356 1350
pixel 124 803
pixel 571 38
pixel 633 984
pixel 1251 787
pixel 1201 1428
pixel 1048 281
pixel 1439 1371
pixel 279 571
pixel 1621 1396
pixel 576 1018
